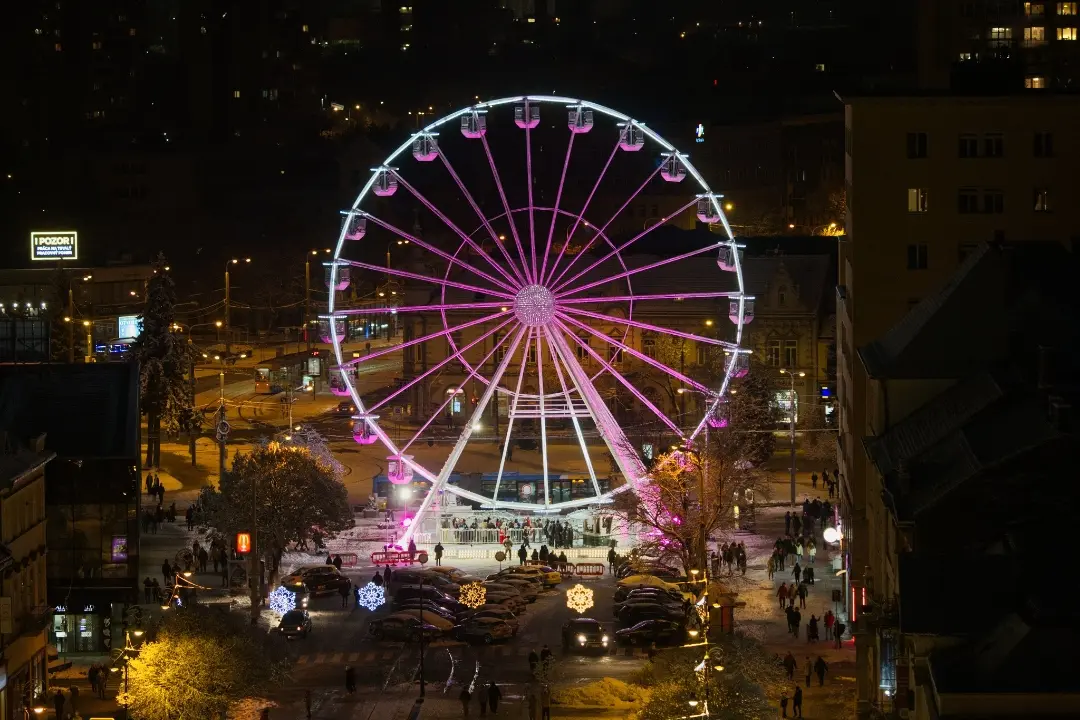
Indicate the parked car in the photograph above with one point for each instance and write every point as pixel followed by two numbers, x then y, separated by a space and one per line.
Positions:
pixel 625 588
pixel 430 607
pixel 298 574
pixel 488 629
pixel 549 576
pixel 427 592
pixel 661 632
pixel 295 623
pixel 509 599
pixel 660 594
pixel 584 634
pixel 402 627
pixel 444 624
pixel 535 580
pixel 414 577
pixel 633 613
pixel 529 591
pixel 649 599
pixel 656 569
pixel 496 611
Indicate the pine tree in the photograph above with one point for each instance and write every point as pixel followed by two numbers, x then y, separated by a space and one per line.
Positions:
pixel 164 359
pixel 60 329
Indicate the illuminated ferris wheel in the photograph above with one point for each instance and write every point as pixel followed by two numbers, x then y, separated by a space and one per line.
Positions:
pixel 519 301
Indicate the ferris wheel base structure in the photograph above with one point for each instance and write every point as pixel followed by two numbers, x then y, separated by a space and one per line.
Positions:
pixel 534 307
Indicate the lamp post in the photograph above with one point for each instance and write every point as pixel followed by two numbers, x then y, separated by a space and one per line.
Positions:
pixel 307 291
pixel 792 374
pixel 191 378
pixel 222 427
pixel 228 299
pixel 89 325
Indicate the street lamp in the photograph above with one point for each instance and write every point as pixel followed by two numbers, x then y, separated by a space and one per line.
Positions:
pixel 307 293
pixel 228 339
pixel 792 374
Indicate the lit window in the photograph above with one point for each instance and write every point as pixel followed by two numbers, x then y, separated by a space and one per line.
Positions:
pixel 966 57
pixel 58 47
pixel 583 354
pixel 1066 33
pixel 37 31
pixel 1000 36
pixel 648 344
pixel 1042 200
pixel 96 45
pixel 1035 82
pixel 303 28
pixel 820 67
pixel 916 200
pixel 1033 9
pixel 531 20
pixel 772 353
pixel 1034 36
pixel 131 32
pixel 1066 8
pixel 236 93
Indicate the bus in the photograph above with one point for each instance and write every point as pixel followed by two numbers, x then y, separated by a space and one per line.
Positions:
pixel 296 371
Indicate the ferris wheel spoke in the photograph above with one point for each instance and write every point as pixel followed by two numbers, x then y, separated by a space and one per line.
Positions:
pixel 570 406
pixel 510 419
pixel 452 259
pixel 626 383
pixel 487 224
pixel 459 355
pixel 639 355
pixel 635 271
pixel 529 182
pixel 473 372
pixel 424 338
pixel 421 308
pixel 506 208
pixel 426 278
pixel 601 299
pixel 588 200
pixel 653 328
pixel 622 247
pixel 463 439
pixel 558 198
pixel 604 227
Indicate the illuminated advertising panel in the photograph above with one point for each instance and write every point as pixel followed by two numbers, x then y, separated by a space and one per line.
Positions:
pixel 54 245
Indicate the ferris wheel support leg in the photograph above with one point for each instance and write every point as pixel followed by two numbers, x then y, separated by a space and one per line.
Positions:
pixel 543 419
pixel 510 420
pixel 573 418
pixel 625 456
pixel 463 440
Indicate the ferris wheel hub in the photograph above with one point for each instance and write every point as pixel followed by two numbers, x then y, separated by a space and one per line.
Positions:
pixel 534 306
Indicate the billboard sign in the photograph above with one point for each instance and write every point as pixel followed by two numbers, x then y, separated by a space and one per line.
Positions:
pixel 128 327
pixel 54 245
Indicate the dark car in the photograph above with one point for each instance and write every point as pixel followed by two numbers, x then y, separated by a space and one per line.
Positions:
pixel 582 634
pixel 633 613
pixel 488 629
pixel 345 408
pixel 321 582
pixel 295 623
pixel 664 572
pixel 402 627
pixel 429 593
pixel 498 612
pixel 624 592
pixel 428 607
pixel 661 632
pixel 414 577
pixel 651 600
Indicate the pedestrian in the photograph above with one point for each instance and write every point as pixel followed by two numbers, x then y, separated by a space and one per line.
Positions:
pixel 799 549
pixel 787 523
pixel 92 676
pixel 465 697
pixel 790 615
pixel 811 550
pixel 494 696
pixel 789 665
pixel 813 480
pixel 148 585
pixel 809 670
pixel 438 553
pixel 343 591
pixel 802 595
pixel 611 561
pixel 796 524
pixel 74 690
pixel 58 703
pixel 545 703
pixel 522 553
pixel 808 576
pixel 829 618
pixel 839 634
pixel 796 572
pixel 796 703
pixel 796 620
pixel 812 629
pixel 338 563
pixel 103 680
pixel 483 702
pixel 770 566
pixel 782 593
pixel 820 668
pixel 783 704
pixel 387 575
pixel 534 660
pixel 350 679
pixel 412 549
pixel 166 571
pixel 546 656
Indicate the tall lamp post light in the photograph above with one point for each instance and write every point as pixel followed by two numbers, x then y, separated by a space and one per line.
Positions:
pixel 307 291
pixel 228 299
pixel 791 375
pixel 222 428
pixel 126 654
pixel 177 327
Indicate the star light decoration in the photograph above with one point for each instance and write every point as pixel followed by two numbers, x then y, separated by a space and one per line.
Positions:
pixel 371 596
pixel 472 595
pixel 579 598
pixel 282 600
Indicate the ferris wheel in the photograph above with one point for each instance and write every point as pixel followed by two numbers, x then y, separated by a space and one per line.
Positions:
pixel 528 298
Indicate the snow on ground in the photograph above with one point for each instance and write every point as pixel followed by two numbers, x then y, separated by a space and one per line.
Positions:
pixel 605 693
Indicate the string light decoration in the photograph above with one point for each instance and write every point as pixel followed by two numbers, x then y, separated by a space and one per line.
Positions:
pixel 371 596
pixel 282 600
pixel 472 595
pixel 579 598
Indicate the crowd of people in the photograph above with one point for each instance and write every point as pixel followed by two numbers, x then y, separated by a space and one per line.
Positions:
pixel 731 556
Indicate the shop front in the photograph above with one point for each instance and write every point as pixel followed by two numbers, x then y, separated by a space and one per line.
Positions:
pixel 22 677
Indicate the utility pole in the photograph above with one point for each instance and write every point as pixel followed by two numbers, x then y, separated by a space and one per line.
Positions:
pixel 421 638
pixel 71 324
pixel 254 574
pixel 791 424
pixel 191 386
pixel 222 425
pixel 307 299
pixel 228 336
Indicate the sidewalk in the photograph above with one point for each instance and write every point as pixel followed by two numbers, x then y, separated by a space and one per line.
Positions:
pixel 763 618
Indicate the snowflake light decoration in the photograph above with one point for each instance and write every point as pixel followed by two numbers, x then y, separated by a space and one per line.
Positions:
pixel 472 595
pixel 282 600
pixel 371 596
pixel 579 598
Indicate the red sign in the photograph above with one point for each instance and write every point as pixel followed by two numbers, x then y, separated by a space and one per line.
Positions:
pixel 243 543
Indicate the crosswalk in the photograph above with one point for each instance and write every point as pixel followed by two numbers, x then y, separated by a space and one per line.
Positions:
pixel 384 655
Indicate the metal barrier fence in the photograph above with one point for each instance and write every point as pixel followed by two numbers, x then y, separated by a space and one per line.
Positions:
pixel 491 536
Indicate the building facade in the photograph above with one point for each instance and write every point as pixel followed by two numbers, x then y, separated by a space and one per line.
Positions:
pixel 927 180
pixel 23 607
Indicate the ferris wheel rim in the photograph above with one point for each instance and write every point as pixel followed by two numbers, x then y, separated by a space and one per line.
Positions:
pixel 388 443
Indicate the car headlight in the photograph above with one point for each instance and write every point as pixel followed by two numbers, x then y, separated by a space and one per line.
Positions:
pixel 604 639
pixel 581 639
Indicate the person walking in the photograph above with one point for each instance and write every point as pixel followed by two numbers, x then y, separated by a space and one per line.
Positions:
pixel 813 480
pixel 522 554
pixel 350 679
pixel 839 634
pixel 534 660
pixel 782 593
pixel 343 591
pixel 796 620
pixel 74 690
pixel 611 561
pixel 820 667
pixel 545 702
pixel 783 704
pixel 771 565
pixel 811 550
pixel 438 553
pixel 465 697
pixel 796 572
pixel 809 670
pixel 483 699
pixel 789 665
pixel 802 595
pixel 58 703
pixel 92 676
pixel 166 571
pixel 829 619
pixel 796 703
pixel 494 696
pixel 787 523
